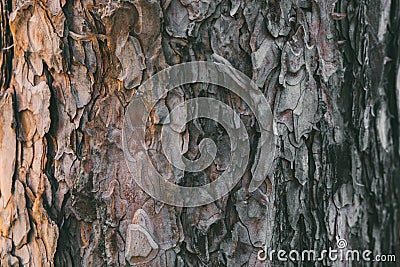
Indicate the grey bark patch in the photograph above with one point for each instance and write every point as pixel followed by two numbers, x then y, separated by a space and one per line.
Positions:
pixel 130 55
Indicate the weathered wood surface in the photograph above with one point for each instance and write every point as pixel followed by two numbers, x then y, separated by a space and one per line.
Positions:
pixel 330 70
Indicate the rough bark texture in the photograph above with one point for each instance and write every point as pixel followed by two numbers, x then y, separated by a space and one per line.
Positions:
pixel 330 70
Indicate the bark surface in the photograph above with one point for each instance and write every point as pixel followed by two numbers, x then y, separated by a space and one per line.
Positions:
pixel 329 69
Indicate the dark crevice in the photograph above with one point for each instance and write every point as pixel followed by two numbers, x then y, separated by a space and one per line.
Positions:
pixel 51 145
pixel 6 45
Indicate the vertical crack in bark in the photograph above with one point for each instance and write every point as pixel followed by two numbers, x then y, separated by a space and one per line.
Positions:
pixel 6 45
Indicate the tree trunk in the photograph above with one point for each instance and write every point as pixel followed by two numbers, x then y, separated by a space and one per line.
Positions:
pixel 329 69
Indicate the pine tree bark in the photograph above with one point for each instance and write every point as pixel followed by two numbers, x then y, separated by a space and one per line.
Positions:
pixel 329 69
